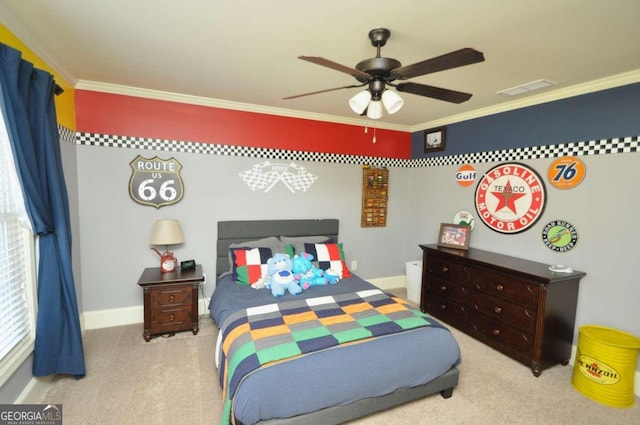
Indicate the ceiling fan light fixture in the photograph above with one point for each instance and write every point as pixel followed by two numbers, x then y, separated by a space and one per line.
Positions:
pixel 374 111
pixel 392 101
pixel 360 101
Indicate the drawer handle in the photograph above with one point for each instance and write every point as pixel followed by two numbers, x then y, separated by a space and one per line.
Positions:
pixel 526 313
pixel 445 269
pixel 496 332
pixel 498 310
pixel 172 298
pixel 443 288
pixel 499 287
pixel 172 317
pixel 443 306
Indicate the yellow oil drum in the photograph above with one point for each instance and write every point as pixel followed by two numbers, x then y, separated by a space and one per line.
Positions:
pixel 605 365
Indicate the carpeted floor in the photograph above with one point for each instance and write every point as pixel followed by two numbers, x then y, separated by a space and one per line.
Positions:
pixel 170 381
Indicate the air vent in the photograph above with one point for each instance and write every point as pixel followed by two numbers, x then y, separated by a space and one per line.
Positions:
pixel 526 88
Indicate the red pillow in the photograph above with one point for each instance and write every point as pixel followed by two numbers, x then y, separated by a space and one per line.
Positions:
pixel 329 256
pixel 249 264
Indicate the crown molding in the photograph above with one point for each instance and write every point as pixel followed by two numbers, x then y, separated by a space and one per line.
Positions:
pixel 226 104
pixel 563 93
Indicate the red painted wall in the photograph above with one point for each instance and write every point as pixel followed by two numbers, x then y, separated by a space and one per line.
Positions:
pixel 113 114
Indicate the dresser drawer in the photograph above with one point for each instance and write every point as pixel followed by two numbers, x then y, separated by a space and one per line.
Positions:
pixel 502 335
pixel 446 289
pixel 446 310
pixel 511 314
pixel 168 320
pixel 506 287
pixel 448 270
pixel 171 296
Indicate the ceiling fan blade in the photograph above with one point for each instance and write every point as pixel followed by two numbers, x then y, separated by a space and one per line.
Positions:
pixel 335 66
pixel 462 57
pixel 434 92
pixel 323 91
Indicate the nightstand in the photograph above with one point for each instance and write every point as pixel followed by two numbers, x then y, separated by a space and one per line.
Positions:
pixel 170 300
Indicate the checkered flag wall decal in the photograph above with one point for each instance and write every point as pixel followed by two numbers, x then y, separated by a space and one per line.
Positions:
pixel 265 176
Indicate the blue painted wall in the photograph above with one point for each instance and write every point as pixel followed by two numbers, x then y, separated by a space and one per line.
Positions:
pixel 590 116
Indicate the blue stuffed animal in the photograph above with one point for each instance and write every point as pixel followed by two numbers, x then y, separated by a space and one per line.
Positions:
pixel 281 277
pixel 306 273
pixel 332 276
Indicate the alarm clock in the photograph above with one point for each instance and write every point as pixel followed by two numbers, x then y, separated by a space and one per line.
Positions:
pixel 188 265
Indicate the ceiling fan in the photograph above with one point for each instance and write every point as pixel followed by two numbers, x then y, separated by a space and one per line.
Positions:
pixel 379 72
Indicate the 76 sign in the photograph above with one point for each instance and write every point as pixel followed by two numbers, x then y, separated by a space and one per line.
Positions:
pixel 566 172
pixel 155 181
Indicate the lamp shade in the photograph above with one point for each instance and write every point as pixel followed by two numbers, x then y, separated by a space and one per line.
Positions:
pixel 166 232
pixel 392 101
pixel 374 110
pixel 359 102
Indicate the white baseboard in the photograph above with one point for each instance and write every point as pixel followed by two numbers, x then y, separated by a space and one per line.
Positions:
pixel 99 319
pixel 112 317
pixel 391 282
pixel 35 391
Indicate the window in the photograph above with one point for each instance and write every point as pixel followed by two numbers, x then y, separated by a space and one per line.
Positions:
pixel 17 268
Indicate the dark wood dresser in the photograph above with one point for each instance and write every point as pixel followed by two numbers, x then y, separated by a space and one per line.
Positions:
pixel 170 300
pixel 519 307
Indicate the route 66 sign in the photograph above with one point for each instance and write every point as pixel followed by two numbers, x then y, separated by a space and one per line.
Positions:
pixel 155 181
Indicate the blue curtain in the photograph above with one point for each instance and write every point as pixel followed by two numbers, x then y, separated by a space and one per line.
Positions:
pixel 29 109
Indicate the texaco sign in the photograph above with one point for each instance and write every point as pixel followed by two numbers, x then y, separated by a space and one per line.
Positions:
pixel 510 198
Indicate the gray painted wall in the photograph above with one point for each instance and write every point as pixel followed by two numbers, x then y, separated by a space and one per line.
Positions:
pixel 115 230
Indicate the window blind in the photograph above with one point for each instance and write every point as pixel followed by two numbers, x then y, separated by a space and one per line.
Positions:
pixel 17 283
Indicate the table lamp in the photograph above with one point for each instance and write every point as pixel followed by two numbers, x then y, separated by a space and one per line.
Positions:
pixel 166 232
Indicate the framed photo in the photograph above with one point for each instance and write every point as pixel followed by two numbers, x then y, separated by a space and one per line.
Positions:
pixel 454 236
pixel 434 139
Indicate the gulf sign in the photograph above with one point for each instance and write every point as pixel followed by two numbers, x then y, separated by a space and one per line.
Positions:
pixel 466 175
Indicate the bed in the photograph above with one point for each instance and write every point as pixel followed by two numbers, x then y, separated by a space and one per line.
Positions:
pixel 326 383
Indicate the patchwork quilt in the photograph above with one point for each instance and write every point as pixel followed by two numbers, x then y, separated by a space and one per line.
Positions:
pixel 260 336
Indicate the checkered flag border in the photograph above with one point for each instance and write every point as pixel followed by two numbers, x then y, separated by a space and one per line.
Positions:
pixel 592 147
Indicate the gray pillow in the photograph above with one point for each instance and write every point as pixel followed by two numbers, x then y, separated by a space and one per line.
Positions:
pixel 299 241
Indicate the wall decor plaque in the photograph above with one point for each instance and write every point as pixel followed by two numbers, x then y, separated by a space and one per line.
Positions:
pixel 510 198
pixel 464 218
pixel 435 139
pixel 566 172
pixel 375 194
pixel 559 236
pixel 155 182
pixel 466 175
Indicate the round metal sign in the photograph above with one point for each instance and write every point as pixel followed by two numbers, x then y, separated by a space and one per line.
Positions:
pixel 566 172
pixel 559 236
pixel 510 198
pixel 464 218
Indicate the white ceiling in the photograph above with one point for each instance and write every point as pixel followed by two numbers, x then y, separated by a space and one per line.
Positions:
pixel 243 53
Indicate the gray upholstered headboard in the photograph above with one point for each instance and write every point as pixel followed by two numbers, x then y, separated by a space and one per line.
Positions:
pixel 246 230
